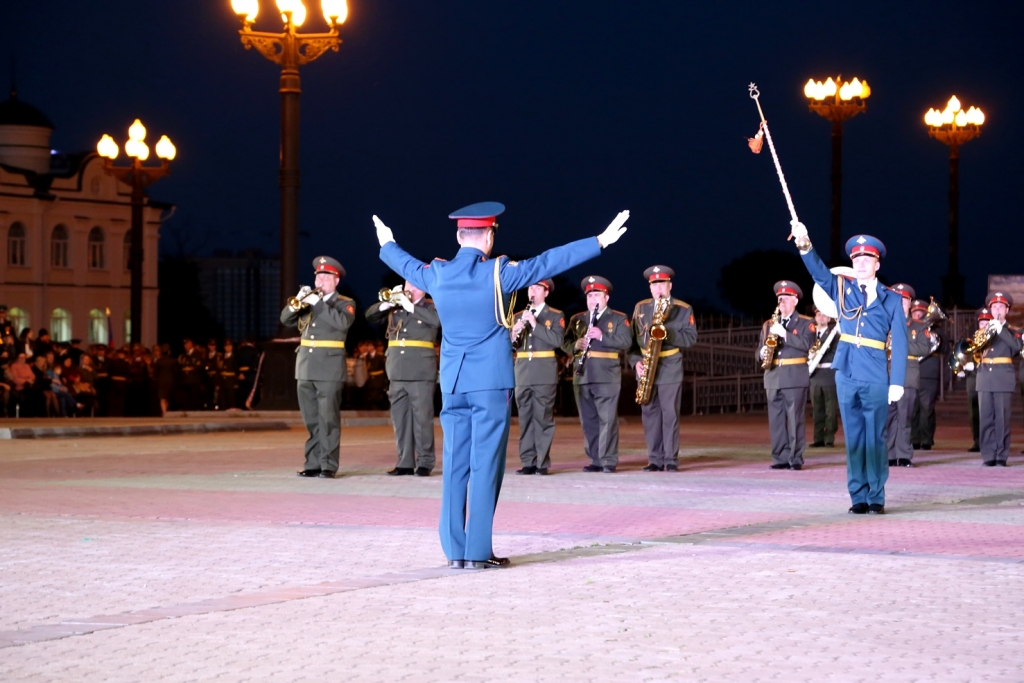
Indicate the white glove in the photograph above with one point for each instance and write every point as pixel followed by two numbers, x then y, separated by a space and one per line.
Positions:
pixel 406 304
pixel 895 393
pixel 614 230
pixel 764 352
pixel 778 329
pixel 969 367
pixel 306 289
pixel 384 234
pixel 961 374
pixel 797 229
pixel 997 325
pixel 384 306
pixel 311 299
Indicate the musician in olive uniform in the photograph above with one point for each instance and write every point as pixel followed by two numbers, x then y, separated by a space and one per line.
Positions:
pixel 323 317
pixel 228 377
pixel 996 382
pixel 898 420
pixel 970 373
pixel 822 382
pixel 412 326
pixel 786 380
pixel 596 337
pixel 923 421
pixel 248 366
pixel 536 332
pixel 661 414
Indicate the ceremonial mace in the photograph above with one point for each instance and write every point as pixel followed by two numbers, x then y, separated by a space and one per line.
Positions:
pixel 821 299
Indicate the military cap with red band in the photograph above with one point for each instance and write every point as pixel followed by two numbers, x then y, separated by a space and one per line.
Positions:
pixel 984 314
pixel 788 288
pixel 596 283
pixel 999 298
pixel 904 290
pixel 860 245
pixel 325 264
pixel 918 305
pixel 479 215
pixel 659 274
pixel 547 284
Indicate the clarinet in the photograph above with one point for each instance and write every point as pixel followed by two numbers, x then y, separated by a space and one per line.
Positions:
pixel 586 349
pixel 527 328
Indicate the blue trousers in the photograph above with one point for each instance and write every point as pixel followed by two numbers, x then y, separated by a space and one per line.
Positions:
pixel 475 426
pixel 864 407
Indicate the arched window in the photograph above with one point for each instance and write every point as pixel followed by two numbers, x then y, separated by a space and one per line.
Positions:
pixel 60 325
pixel 19 319
pixel 59 247
pixel 97 259
pixel 16 245
pixel 99 333
pixel 128 250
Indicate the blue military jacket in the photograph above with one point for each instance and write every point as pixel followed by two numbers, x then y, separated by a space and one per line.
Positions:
pixel 476 352
pixel 876 322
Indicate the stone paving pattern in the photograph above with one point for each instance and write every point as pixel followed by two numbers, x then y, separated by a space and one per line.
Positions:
pixel 200 557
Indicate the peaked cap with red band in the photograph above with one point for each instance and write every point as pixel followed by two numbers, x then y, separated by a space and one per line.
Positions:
pixel 547 284
pixel 918 305
pixel 865 244
pixel 999 298
pixel 325 264
pixel 788 288
pixel 479 215
pixel 984 314
pixel 596 283
pixel 659 274
pixel 904 290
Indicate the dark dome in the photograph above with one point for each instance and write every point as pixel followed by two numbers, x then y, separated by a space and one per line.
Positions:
pixel 14 112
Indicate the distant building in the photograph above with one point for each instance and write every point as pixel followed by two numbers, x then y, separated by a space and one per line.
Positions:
pixel 65 228
pixel 242 291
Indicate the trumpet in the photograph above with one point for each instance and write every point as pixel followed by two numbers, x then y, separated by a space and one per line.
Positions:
pixel 295 303
pixel 390 296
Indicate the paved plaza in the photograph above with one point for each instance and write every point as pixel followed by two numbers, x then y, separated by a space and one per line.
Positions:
pixel 201 557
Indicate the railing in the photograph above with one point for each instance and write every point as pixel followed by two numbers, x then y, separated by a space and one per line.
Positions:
pixel 714 361
pixel 738 393
pixel 730 336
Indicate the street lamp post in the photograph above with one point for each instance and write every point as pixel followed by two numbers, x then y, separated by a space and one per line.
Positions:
pixel 138 176
pixel 953 126
pixel 291 50
pixel 837 101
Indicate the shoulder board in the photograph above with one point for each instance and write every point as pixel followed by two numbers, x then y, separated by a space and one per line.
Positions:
pixel 612 310
pixel 342 297
pixel 680 302
pixel 645 301
pixel 555 310
pixel 801 316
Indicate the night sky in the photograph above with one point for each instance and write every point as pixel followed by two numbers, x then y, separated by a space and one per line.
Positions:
pixel 567 112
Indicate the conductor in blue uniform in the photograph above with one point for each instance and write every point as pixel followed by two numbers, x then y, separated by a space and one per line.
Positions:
pixel 477 376
pixel 869 313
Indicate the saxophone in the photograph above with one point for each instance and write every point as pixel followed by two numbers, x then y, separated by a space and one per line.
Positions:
pixel 656 335
pixel 771 342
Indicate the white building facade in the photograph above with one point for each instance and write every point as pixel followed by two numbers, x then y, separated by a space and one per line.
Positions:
pixel 65 227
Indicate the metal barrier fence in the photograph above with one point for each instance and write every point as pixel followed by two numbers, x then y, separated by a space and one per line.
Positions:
pixel 730 336
pixel 739 393
pixel 711 360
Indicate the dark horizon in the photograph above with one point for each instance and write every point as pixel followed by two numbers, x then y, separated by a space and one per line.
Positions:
pixel 567 114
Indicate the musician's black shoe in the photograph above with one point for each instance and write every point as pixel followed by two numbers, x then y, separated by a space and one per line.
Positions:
pixel 818 444
pixel 671 467
pixel 893 462
pixel 542 470
pixel 401 471
pixel 422 472
pixel 780 466
pixel 796 466
pixel 1001 463
pixel 974 449
pixel 925 447
pixel 328 475
pixel 653 468
pixel 859 509
pixel 917 446
pixel 308 473
pixel 904 462
pixel 608 469
pixel 592 468
pixel 876 509
pixel 989 463
pixel 530 469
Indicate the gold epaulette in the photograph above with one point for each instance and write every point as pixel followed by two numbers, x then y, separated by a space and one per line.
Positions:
pixel 680 302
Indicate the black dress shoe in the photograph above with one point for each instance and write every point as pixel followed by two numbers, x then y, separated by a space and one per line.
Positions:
pixel 653 468
pixel 780 466
pixel 917 446
pixel 974 449
pixel 456 564
pixel 989 463
pixel 328 475
pixel 893 462
pixel 818 444
pixel 1001 463
pixel 797 466
pixel 608 469
pixel 876 509
pixel 527 470
pixel 904 462
pixel 492 563
pixel 542 470
pixel 422 472
pixel 830 445
pixel 592 468
pixel 671 467
pixel 308 473
pixel 859 509
pixel 925 448
pixel 400 471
